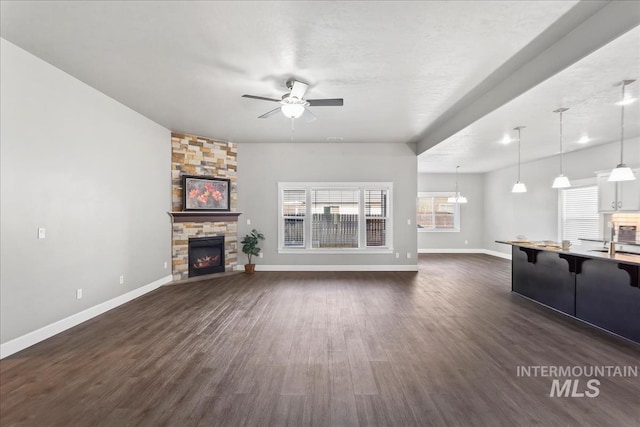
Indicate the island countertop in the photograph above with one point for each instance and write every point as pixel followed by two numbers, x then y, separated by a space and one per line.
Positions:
pixel 585 253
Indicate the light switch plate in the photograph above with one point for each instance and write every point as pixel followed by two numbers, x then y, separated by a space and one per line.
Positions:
pixel 42 233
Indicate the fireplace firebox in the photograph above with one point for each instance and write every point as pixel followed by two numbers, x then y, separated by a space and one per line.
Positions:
pixel 206 255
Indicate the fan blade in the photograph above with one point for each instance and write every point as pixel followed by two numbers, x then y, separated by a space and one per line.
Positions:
pixel 298 90
pixel 260 97
pixel 309 116
pixel 336 102
pixel 269 113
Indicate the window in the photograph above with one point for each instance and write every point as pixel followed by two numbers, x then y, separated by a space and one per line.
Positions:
pixel 436 214
pixel 376 216
pixel 294 210
pixel 579 213
pixel 333 216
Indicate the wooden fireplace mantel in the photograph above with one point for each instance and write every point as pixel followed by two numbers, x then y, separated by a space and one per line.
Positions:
pixel 199 216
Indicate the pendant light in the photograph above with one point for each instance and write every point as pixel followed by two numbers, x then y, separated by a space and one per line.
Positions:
pixel 519 187
pixel 561 181
pixel 457 198
pixel 622 172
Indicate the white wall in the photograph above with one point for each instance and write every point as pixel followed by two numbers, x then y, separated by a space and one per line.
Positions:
pixel 471 214
pixel 263 165
pixel 535 213
pixel 91 171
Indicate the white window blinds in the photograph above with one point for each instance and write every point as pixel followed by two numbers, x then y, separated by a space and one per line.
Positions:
pixel 375 211
pixel 580 217
pixel 294 208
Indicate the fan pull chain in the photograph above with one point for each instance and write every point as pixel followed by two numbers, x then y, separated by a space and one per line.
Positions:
pixel 292 120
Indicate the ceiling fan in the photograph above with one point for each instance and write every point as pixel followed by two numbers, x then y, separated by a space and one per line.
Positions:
pixel 293 104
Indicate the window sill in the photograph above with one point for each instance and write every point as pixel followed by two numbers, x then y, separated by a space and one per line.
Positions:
pixel 429 230
pixel 302 251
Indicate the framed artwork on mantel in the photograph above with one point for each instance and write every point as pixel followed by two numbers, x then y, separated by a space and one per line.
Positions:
pixel 205 193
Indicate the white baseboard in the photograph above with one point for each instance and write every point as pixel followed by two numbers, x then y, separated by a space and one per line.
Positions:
pixel 31 338
pixel 451 251
pixel 465 251
pixel 497 254
pixel 333 267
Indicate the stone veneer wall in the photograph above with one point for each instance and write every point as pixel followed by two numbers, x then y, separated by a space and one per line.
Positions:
pixel 195 155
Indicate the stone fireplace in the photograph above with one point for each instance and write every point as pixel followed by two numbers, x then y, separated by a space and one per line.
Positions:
pixel 195 155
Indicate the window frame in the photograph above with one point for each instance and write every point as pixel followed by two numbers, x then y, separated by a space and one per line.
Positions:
pixel 361 187
pixel 456 213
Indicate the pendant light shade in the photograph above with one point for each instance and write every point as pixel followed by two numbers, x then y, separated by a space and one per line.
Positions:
pixel 457 198
pixel 622 172
pixel 519 186
pixel 561 181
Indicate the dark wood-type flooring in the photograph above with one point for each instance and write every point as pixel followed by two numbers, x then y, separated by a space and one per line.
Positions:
pixel 438 347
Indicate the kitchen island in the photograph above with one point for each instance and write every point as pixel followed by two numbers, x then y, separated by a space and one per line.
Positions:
pixel 597 288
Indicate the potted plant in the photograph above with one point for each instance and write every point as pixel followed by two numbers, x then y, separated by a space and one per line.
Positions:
pixel 250 247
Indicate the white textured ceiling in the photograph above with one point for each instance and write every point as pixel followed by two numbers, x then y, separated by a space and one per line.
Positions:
pixel 587 88
pixel 398 65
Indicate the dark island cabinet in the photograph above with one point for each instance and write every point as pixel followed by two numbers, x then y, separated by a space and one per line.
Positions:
pixel 608 296
pixel 544 277
pixel 602 291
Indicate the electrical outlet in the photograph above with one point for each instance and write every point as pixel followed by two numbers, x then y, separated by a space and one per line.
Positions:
pixel 166 264
pixel 408 222
pixel 78 293
pixel 122 280
pixel 408 254
pixel 260 255
pixel 248 222
pixel 42 233
pixel 466 242
pixel 397 254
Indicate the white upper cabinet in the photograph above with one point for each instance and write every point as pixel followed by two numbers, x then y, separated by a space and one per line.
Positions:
pixel 618 196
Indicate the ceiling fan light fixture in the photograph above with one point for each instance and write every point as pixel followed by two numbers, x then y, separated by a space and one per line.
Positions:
pixel 292 111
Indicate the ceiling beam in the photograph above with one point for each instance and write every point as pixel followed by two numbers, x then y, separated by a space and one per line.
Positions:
pixel 582 30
